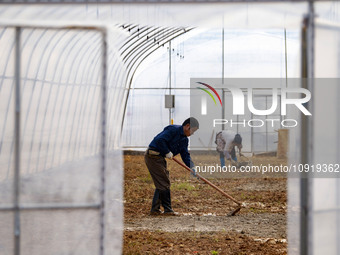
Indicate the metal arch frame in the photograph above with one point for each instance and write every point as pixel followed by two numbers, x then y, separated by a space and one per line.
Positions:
pixel 146 46
pixel 132 64
pixel 58 63
pixel 12 144
pixel 94 56
pixel 115 75
pixel 112 72
pixel 118 73
pixel 69 74
pixel 34 85
pixel 138 64
pixel 69 102
pixel 143 54
pixel 43 82
pixel 82 76
pixel 1 85
pixel 70 47
pixel 135 35
pixel 64 96
pixel 115 72
pixel 10 99
pixel 161 42
pixel 17 208
pixel 77 100
pixel 95 133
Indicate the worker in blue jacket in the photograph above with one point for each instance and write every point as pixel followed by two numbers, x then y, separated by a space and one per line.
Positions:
pixel 171 141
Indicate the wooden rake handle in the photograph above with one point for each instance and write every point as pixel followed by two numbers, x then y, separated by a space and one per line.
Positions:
pixel 206 181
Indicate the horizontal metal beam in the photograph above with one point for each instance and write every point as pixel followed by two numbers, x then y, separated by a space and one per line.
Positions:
pixel 34 25
pixel 143 1
pixel 330 210
pixel 227 91
pixel 52 207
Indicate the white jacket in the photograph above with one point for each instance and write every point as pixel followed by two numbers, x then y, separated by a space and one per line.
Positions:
pixel 228 137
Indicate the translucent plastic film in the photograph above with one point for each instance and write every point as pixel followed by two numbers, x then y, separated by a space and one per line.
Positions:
pixel 326 192
pixel 69 182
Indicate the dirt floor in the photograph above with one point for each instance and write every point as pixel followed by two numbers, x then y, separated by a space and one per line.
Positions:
pixel 203 226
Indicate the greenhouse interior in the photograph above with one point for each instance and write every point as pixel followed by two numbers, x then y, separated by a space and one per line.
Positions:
pixel 85 86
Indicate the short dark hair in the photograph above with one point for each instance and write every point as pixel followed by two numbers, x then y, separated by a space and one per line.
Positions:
pixel 238 139
pixel 192 121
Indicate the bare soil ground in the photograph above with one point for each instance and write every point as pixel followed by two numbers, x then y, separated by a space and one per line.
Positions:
pixel 203 226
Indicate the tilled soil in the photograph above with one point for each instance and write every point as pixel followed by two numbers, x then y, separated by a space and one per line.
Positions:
pixel 262 225
pixel 149 242
pixel 203 226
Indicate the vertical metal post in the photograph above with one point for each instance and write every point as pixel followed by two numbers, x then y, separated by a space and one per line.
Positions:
pixel 170 80
pixel 338 180
pixel 223 100
pixel 338 211
pixel 286 58
pixel 17 143
pixel 307 135
pixel 223 52
pixel 282 117
pixel 237 119
pixel 310 121
pixel 266 117
pixel 304 159
pixel 103 143
pixel 252 136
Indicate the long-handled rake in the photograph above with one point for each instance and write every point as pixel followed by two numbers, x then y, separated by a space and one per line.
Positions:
pixel 240 205
pixel 243 162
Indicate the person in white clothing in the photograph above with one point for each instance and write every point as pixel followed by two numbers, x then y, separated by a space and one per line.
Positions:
pixel 226 141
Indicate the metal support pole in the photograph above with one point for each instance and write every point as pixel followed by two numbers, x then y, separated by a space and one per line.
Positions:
pixel 338 210
pixel 17 143
pixel 286 58
pixel 252 136
pixel 338 180
pixel 223 100
pixel 307 134
pixel 170 80
pixel 103 143
pixel 266 117
pixel 304 159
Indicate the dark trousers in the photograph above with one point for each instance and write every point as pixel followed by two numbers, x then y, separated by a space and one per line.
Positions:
pixel 160 175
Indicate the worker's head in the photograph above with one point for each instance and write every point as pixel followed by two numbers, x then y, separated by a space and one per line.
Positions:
pixel 190 126
pixel 238 141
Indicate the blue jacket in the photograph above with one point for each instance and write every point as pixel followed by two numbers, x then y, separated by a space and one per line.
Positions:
pixel 173 139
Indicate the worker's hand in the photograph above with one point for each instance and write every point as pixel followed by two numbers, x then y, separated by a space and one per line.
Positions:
pixel 241 154
pixel 169 155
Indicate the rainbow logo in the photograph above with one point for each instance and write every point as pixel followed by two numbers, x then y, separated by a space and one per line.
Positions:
pixel 204 101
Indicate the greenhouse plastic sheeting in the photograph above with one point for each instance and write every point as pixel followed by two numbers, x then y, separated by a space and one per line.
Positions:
pixel 61 134
pixel 62 166
pixel 325 192
pixel 322 193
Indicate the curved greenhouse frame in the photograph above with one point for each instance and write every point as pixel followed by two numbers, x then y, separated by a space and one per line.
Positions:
pixel 84 81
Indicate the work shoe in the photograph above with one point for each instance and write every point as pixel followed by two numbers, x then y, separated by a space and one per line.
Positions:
pixel 170 213
pixel 156 213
